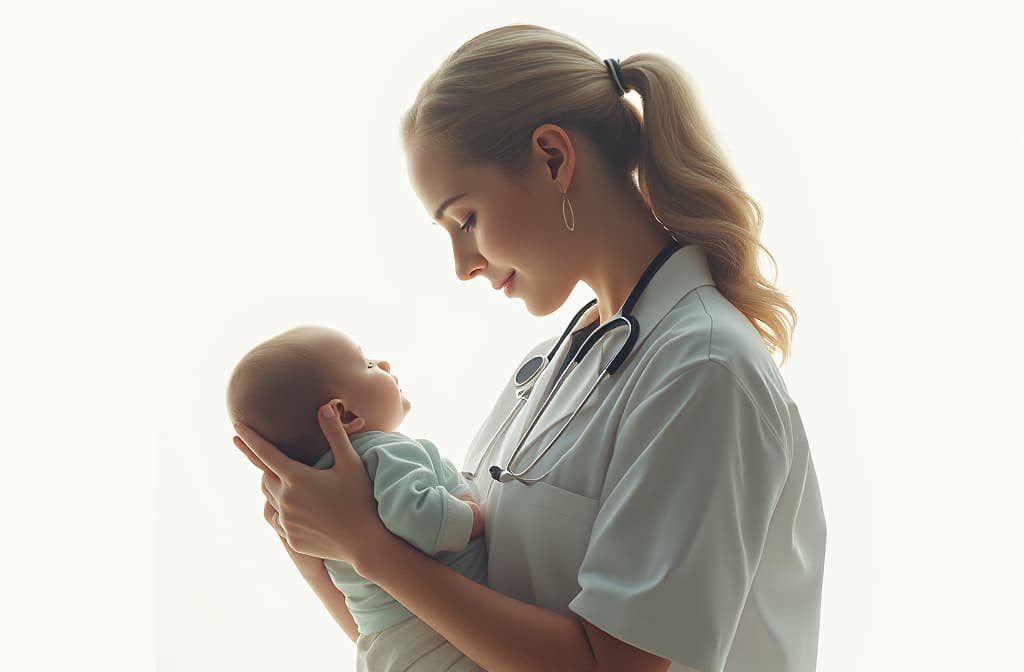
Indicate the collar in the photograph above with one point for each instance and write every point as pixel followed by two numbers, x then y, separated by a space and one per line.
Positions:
pixel 359 441
pixel 686 270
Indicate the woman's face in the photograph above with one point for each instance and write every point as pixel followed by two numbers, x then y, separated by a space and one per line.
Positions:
pixel 502 226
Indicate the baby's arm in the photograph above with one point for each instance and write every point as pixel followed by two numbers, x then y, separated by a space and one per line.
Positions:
pixel 478 515
pixel 458 487
pixel 412 501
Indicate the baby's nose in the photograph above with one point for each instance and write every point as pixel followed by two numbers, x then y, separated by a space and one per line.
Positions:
pixel 384 364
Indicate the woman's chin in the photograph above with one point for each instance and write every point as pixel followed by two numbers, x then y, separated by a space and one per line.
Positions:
pixel 545 306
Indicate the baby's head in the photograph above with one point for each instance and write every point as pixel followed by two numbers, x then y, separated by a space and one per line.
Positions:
pixel 278 386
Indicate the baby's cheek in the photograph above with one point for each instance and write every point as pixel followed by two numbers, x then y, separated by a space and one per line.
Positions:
pixel 398 402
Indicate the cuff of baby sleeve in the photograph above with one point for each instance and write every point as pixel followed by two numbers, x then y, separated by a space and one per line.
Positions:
pixel 459 526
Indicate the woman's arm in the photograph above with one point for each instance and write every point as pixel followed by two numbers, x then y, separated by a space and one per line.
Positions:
pixel 332 598
pixel 314 572
pixel 498 632
pixel 331 513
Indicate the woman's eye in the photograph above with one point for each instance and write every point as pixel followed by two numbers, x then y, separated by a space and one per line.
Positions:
pixel 468 224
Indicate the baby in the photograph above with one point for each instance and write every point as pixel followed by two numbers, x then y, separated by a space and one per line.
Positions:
pixel 276 390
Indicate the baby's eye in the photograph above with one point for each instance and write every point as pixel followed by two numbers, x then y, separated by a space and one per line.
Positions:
pixel 468 224
pixel 369 365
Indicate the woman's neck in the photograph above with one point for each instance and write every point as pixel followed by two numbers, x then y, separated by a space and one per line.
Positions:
pixel 625 241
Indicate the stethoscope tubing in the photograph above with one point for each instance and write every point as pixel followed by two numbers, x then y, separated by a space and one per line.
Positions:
pixel 525 387
pixel 507 474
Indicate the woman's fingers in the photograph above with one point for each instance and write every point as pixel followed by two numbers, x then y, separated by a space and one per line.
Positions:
pixel 271 498
pixel 270 515
pixel 240 444
pixel 330 425
pixel 263 451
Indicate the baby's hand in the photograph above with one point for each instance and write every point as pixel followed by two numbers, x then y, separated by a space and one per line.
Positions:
pixel 478 515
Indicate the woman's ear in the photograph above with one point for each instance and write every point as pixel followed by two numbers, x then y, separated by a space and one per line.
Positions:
pixel 554 147
pixel 349 421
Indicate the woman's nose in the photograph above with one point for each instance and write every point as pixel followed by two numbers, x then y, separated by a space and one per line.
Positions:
pixel 468 264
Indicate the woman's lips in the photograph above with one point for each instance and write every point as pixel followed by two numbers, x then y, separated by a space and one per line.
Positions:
pixel 499 285
pixel 507 285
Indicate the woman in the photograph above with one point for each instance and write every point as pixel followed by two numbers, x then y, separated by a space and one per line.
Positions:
pixel 670 520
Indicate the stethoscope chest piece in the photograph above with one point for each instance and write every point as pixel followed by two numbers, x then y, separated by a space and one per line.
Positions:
pixel 501 475
pixel 529 371
pixel 526 377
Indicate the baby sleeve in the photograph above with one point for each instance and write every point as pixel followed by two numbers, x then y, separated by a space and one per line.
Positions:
pixel 412 500
pixel 458 486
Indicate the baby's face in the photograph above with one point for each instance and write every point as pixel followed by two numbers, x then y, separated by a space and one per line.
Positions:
pixel 368 388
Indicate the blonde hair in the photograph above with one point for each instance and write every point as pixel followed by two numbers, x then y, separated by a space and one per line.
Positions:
pixel 486 99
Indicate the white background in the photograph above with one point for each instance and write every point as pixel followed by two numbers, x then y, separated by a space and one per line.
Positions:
pixel 181 180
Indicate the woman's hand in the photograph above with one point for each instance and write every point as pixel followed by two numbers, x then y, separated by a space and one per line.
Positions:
pixel 326 513
pixel 307 565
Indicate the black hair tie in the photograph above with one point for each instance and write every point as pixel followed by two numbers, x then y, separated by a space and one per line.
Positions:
pixel 616 72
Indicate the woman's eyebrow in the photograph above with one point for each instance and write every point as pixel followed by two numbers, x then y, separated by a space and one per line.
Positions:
pixel 444 206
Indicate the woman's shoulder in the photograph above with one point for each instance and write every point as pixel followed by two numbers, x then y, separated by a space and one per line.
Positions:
pixel 704 326
pixel 705 351
pixel 706 329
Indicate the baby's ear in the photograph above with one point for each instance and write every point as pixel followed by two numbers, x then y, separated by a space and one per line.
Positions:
pixel 349 420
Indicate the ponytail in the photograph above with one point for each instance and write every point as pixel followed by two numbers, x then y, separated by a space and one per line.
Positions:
pixel 486 99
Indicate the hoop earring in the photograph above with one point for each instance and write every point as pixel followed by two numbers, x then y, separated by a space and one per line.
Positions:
pixel 566 201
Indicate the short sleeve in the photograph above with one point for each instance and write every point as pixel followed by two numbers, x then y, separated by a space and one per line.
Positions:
pixel 412 502
pixel 456 485
pixel 692 484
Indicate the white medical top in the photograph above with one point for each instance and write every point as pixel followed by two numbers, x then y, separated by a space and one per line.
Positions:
pixel 686 520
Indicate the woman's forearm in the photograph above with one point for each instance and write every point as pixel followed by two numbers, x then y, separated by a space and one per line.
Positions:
pixel 314 572
pixel 333 599
pixel 498 632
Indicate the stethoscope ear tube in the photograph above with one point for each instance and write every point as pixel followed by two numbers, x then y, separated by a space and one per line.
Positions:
pixel 528 374
pixel 568 330
pixel 632 327
pixel 627 347
pixel 599 333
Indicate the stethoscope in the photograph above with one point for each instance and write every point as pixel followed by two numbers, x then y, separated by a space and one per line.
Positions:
pixel 527 375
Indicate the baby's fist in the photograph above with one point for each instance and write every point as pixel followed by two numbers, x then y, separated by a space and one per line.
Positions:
pixel 478 515
pixel 478 519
